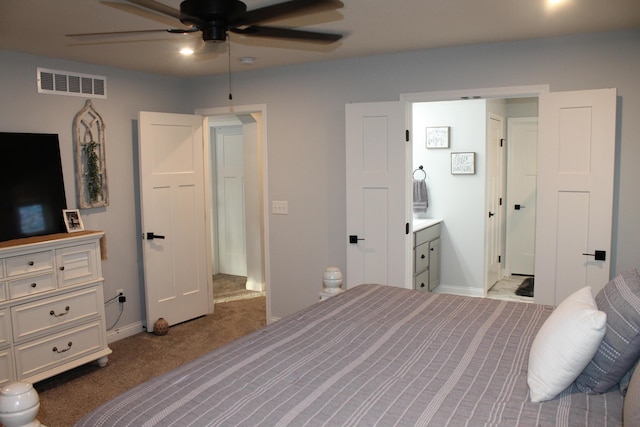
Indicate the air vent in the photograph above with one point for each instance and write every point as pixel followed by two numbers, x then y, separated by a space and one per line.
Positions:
pixel 72 84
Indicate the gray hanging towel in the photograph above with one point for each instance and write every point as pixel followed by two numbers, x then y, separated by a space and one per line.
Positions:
pixel 420 197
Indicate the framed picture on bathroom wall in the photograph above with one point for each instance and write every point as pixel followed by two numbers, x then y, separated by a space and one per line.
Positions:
pixel 463 163
pixel 438 137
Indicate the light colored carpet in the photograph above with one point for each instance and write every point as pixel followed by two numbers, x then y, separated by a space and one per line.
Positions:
pixel 227 287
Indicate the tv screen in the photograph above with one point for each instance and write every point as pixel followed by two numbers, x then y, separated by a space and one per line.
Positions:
pixel 32 193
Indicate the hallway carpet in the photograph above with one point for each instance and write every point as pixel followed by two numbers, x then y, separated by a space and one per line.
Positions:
pixel 227 287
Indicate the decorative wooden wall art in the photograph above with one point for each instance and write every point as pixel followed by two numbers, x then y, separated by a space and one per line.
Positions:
pixel 90 162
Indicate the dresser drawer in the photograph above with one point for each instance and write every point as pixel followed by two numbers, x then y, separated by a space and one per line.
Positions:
pixel 38 356
pixel 42 316
pixel 31 285
pixel 30 263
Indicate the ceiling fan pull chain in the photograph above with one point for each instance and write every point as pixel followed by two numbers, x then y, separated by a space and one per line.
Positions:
pixel 229 43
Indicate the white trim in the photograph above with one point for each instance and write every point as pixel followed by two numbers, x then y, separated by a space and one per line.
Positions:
pixel 495 92
pixel 124 332
pixel 459 290
pixel 248 109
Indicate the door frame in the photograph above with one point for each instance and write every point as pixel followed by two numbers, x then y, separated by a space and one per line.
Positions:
pixel 262 110
pixel 528 91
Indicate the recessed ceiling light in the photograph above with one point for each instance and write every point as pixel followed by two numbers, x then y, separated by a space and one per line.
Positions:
pixel 186 51
pixel 555 3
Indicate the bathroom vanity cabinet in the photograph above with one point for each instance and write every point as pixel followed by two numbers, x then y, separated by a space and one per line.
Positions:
pixel 426 254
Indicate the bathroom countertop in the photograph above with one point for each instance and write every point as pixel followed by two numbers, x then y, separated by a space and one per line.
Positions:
pixel 419 224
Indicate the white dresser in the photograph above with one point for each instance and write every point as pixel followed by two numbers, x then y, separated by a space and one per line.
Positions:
pixel 51 306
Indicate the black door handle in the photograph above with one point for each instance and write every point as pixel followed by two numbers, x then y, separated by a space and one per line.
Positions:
pixel 151 236
pixel 599 255
pixel 518 207
pixel 491 214
pixel 353 239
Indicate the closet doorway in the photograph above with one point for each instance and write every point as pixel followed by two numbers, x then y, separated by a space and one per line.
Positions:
pixel 238 185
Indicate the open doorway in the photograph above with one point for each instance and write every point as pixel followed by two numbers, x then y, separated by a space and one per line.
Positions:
pixel 462 202
pixel 237 170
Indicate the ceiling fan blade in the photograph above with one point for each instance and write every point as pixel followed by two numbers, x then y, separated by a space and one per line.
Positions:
pixel 142 12
pixel 157 7
pixel 285 10
pixel 287 33
pixel 115 33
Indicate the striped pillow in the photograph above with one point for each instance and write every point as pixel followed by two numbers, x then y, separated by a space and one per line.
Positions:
pixel 620 347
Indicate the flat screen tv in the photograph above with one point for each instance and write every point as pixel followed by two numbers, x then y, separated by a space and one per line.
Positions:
pixel 32 193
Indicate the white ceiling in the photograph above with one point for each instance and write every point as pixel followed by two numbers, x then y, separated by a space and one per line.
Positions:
pixel 370 27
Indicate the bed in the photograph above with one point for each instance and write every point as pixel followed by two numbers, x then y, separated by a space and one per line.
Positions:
pixel 373 355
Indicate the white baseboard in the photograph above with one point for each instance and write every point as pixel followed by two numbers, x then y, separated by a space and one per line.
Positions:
pixel 124 332
pixel 459 290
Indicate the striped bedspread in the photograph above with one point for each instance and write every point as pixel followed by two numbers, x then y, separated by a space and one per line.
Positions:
pixel 374 355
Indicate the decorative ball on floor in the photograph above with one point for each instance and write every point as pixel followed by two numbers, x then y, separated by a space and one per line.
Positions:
pixel 160 327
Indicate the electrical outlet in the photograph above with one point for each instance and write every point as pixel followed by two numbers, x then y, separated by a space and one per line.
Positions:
pixel 280 207
pixel 119 292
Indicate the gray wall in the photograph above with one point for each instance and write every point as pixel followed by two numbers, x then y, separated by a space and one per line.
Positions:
pixel 306 133
pixel 22 109
pixel 306 148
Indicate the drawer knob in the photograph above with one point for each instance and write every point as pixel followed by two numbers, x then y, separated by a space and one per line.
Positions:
pixel 53 313
pixel 62 268
pixel 34 284
pixel 422 285
pixel 31 263
pixel 423 256
pixel 55 349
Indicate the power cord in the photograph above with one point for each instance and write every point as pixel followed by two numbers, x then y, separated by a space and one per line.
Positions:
pixel 121 299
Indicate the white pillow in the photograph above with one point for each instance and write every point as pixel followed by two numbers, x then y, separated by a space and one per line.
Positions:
pixel 564 345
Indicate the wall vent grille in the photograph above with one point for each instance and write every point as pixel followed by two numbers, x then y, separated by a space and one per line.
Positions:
pixel 72 84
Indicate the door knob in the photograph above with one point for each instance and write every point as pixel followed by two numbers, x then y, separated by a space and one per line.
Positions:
pixel 152 235
pixel 353 239
pixel 598 255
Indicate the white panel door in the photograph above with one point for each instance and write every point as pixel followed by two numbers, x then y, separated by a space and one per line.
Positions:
pixel 377 222
pixel 232 253
pixel 173 197
pixel 576 152
pixel 494 218
pixel 521 201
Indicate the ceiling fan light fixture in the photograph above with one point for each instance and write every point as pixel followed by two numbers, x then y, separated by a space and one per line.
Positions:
pixel 214 33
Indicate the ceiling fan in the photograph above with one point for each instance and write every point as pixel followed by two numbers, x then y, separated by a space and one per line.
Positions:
pixel 216 18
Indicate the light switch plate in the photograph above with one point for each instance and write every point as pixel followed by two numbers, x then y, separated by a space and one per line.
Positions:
pixel 280 207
